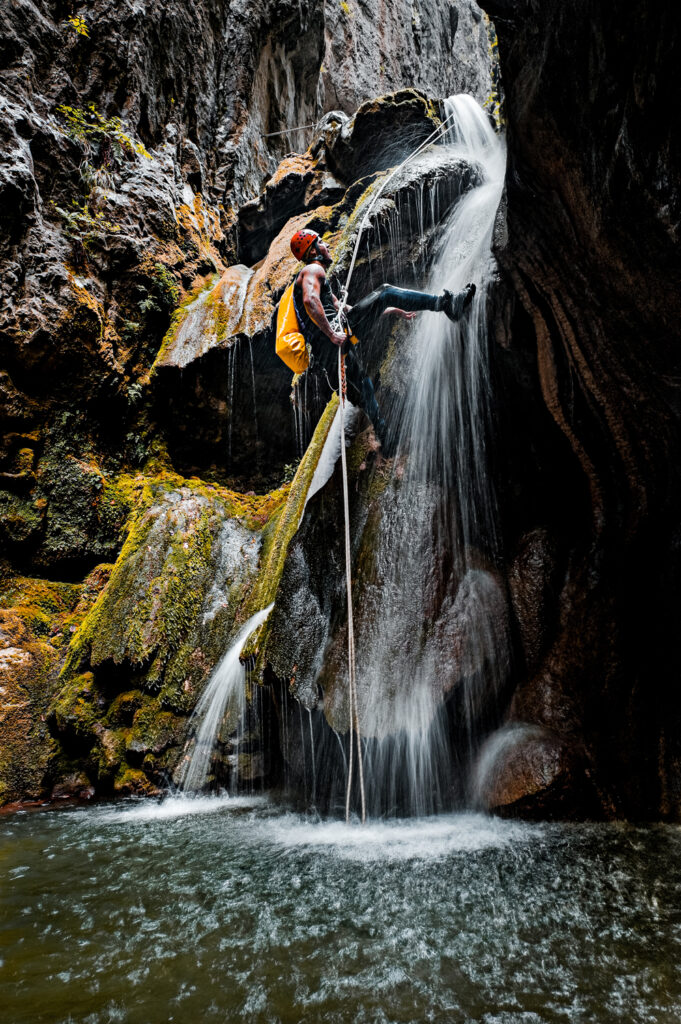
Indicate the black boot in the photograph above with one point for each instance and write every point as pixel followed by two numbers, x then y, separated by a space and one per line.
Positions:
pixel 454 305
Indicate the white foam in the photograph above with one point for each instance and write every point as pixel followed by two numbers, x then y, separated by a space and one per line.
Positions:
pixel 401 839
pixel 180 807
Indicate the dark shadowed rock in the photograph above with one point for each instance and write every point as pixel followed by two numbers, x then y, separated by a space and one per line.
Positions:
pixel 591 256
pixel 531 585
pixel 382 133
pixel 530 772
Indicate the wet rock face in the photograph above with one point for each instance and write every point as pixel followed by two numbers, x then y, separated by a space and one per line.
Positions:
pixel 226 395
pixel 530 772
pixel 374 48
pixel 129 141
pixel 202 87
pixel 591 263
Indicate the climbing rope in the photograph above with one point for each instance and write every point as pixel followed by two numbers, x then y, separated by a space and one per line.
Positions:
pixel 352 680
pixel 289 131
pixel 439 132
pixel 340 324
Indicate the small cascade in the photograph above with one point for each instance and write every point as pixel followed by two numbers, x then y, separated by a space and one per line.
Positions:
pixel 224 695
pixel 432 643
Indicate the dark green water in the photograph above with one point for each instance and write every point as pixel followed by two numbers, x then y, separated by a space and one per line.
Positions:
pixel 238 912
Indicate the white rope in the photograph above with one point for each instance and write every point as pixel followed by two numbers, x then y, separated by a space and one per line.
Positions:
pixel 433 135
pixel 352 680
pixel 289 131
pixel 339 326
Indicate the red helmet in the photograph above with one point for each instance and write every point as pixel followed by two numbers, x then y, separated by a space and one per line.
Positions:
pixel 301 242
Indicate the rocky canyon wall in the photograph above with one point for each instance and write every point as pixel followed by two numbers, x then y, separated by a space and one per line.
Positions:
pixel 141 181
pixel 591 263
pixel 133 138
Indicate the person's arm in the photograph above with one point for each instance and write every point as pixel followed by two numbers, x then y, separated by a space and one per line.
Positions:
pixel 311 285
pixel 399 312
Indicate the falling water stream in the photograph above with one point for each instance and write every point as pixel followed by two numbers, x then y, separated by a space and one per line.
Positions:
pixel 224 695
pixel 433 620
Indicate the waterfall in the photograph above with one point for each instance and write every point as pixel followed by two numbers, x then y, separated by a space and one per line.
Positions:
pixel 224 694
pixel 432 647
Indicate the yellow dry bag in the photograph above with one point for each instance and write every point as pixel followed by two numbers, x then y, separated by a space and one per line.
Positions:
pixel 290 344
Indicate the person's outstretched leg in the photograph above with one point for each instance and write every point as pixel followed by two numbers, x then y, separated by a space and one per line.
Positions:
pixel 366 312
pixel 454 305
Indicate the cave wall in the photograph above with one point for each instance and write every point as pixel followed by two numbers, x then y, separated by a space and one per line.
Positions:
pixel 130 139
pixel 590 259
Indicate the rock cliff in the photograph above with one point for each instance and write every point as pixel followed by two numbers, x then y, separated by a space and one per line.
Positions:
pixel 136 142
pixel 591 265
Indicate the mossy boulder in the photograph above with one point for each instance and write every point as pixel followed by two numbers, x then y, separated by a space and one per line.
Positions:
pixel 187 565
pixel 21 519
pixel 37 621
pixel 134 782
pixel 78 708
pixel 154 730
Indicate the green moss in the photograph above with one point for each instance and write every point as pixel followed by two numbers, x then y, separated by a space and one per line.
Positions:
pixel 20 518
pixel 75 712
pixel 123 708
pixel 45 596
pixel 154 730
pixel 85 510
pixel 24 460
pixel 89 127
pixel 133 782
pixel 110 753
pixel 27 750
pixel 279 532
pixel 149 616
pixel 46 608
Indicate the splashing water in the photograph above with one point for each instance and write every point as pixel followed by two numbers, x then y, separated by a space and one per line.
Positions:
pixel 225 693
pixel 246 914
pixel 434 621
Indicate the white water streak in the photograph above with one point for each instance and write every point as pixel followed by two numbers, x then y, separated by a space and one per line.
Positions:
pixel 425 631
pixel 225 691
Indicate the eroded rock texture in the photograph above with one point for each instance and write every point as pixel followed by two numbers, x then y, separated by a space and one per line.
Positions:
pixel 131 137
pixel 592 267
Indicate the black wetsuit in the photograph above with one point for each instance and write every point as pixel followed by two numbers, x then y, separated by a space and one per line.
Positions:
pixel 362 318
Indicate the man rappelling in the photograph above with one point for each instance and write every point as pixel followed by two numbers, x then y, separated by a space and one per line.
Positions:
pixel 322 328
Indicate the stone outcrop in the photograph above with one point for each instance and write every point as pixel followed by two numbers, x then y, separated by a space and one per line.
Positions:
pixel 227 392
pixel 129 143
